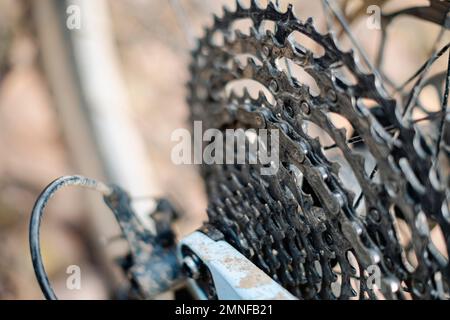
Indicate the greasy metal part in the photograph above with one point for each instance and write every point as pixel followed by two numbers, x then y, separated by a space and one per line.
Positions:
pixel 152 263
pixel 300 225
pixel 234 276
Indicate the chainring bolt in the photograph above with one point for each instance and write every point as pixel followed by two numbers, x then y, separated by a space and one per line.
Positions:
pixel 375 215
pixel 273 86
pixel 305 108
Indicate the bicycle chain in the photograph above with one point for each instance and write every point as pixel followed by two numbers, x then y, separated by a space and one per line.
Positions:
pixel 300 224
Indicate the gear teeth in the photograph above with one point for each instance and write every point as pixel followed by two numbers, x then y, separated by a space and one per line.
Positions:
pixel 252 63
pixel 246 94
pixel 228 202
pixel 236 182
pixel 261 97
pixel 207 35
pixel 228 38
pixel 221 211
pixel 254 5
pixel 333 54
pixel 254 32
pixel 233 95
pixel 240 6
pixel 317 142
pixel 274 9
pixel 240 196
pixel 227 191
pixel 290 10
pixel 239 34
pixel 249 69
pixel 226 11
pixel 256 212
pixel 217 20
pixel 236 66
pixel 309 22
pixel 271 34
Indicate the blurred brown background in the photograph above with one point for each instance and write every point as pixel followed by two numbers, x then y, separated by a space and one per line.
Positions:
pixel 152 45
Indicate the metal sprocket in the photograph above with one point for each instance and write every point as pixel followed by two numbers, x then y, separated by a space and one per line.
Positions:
pixel 301 225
